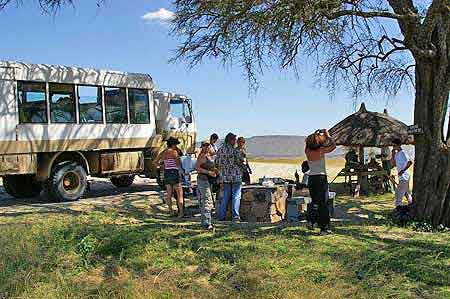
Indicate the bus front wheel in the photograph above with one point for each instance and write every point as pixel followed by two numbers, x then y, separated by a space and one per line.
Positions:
pixel 68 182
pixel 22 186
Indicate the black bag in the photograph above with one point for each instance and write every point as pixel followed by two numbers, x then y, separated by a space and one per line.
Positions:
pixel 402 214
pixel 312 213
pixel 246 177
pixel 214 182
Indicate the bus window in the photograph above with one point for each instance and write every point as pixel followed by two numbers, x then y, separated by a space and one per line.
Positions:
pixel 116 105
pixel 32 104
pixel 180 109
pixel 176 108
pixel 62 103
pixel 90 104
pixel 138 99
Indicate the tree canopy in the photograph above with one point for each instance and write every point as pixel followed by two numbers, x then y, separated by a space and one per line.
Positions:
pixel 366 44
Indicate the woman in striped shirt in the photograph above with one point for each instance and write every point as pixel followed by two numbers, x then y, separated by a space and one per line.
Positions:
pixel 172 162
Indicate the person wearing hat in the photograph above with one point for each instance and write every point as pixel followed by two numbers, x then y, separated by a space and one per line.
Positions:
pixel 206 174
pixel 230 163
pixel 172 162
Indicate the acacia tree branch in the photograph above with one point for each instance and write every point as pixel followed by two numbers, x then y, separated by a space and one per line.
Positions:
pixel 47 6
pixel 408 27
pixel 380 57
pixel 368 14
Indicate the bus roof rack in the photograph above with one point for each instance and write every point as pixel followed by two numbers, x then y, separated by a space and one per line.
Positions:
pixel 73 75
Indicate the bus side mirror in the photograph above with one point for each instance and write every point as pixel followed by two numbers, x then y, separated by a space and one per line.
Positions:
pixel 188 119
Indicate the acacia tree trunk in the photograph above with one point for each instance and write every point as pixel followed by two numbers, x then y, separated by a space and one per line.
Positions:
pixel 432 156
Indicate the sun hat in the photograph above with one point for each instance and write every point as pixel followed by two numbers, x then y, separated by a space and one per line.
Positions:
pixel 205 143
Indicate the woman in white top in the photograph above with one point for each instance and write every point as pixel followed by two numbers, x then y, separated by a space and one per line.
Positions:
pixel 317 145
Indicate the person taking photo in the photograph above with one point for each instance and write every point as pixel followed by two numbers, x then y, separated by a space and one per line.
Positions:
pixel 317 145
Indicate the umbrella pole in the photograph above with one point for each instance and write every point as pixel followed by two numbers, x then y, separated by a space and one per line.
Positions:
pixel 363 180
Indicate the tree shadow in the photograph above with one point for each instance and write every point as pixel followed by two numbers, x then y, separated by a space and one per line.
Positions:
pixel 420 260
pixel 355 209
pixel 99 188
pixel 116 242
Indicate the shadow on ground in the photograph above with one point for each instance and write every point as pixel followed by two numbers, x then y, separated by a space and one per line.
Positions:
pixel 144 200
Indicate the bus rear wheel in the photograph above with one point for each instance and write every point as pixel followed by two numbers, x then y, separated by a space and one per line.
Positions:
pixel 122 181
pixel 22 186
pixel 68 182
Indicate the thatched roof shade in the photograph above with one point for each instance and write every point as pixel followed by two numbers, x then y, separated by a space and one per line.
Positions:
pixel 369 129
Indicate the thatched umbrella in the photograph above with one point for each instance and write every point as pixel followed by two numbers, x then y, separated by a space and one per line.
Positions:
pixel 369 129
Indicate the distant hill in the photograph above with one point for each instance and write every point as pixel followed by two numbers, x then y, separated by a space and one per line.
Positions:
pixel 276 146
pixel 279 146
pixel 289 146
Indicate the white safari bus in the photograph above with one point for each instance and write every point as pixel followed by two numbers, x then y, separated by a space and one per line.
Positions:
pixel 60 124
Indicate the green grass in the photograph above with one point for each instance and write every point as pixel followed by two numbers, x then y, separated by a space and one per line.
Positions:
pixel 134 254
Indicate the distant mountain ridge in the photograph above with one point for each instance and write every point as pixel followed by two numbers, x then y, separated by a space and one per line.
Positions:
pixel 279 146
pixel 291 146
pixel 276 146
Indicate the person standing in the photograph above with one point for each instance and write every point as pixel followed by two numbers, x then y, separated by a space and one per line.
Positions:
pixel 351 159
pixel 206 172
pixel 230 165
pixel 317 145
pixel 305 171
pixel 172 179
pixel 188 163
pixel 213 140
pixel 386 158
pixel 247 171
pixel 213 144
pixel 402 162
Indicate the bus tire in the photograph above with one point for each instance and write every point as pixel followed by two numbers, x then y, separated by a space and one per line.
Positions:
pixel 22 186
pixel 122 181
pixel 67 182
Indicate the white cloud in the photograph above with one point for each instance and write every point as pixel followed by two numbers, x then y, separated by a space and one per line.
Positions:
pixel 161 15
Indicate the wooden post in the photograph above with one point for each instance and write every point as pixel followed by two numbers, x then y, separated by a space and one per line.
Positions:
pixel 361 155
pixel 363 180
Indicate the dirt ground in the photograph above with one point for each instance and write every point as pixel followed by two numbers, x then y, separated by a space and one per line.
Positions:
pixel 101 196
pixel 143 195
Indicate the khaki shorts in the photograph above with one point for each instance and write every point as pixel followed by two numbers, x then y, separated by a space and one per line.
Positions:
pixel 402 191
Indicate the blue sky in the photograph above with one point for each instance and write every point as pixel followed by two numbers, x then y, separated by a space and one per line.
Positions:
pixel 116 37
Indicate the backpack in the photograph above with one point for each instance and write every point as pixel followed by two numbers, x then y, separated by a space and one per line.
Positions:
pixel 402 214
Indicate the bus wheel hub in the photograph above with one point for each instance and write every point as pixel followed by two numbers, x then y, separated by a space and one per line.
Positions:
pixel 70 181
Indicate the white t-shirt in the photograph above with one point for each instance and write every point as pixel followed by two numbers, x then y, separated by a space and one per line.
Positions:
pixel 188 163
pixel 401 160
pixel 213 148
